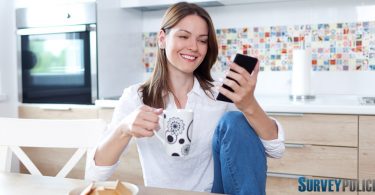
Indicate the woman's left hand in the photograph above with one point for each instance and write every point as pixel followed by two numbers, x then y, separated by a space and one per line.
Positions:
pixel 243 84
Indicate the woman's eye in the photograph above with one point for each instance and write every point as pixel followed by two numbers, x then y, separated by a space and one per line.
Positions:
pixel 203 41
pixel 183 37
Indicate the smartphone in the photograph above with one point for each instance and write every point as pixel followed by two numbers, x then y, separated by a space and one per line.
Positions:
pixel 245 62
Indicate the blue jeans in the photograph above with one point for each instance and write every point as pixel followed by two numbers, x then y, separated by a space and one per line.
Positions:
pixel 240 163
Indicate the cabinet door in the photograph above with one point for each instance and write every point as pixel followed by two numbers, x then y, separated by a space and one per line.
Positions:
pixel 367 148
pixel 57 112
pixel 323 161
pixel 320 129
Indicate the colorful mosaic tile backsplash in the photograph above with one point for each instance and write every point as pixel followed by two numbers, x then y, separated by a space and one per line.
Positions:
pixel 335 47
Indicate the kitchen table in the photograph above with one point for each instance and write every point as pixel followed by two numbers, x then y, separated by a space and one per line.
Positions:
pixel 16 184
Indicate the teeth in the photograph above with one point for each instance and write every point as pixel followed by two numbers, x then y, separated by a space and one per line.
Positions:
pixel 188 57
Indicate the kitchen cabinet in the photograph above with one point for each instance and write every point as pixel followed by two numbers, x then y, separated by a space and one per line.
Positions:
pixel 149 5
pixel 45 111
pixel 366 149
pixel 320 129
pixel 317 145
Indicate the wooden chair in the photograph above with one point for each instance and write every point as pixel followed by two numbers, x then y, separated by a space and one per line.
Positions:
pixel 43 133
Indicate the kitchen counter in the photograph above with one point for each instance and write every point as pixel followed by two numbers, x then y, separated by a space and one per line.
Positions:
pixel 326 104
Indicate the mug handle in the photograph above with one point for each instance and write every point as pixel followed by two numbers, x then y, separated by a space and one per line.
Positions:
pixel 162 127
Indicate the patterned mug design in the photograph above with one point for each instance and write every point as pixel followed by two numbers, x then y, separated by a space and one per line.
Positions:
pixel 175 132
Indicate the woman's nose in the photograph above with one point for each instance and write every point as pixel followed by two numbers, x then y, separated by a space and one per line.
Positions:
pixel 193 45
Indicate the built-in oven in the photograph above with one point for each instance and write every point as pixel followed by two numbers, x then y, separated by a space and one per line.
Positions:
pixel 57 54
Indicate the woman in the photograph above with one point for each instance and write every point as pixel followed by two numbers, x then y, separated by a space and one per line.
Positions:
pixel 229 149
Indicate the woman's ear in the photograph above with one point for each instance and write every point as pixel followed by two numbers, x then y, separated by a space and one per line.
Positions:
pixel 161 39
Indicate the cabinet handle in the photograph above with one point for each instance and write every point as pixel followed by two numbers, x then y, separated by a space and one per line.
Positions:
pixel 56 107
pixel 33 31
pixel 285 114
pixel 294 145
pixel 284 175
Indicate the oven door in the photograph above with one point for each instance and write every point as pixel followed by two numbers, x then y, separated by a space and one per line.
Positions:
pixel 59 64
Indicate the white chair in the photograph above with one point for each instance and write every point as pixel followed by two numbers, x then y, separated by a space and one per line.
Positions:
pixel 15 133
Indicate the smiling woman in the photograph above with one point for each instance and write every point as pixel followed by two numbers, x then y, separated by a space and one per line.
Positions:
pixel 227 152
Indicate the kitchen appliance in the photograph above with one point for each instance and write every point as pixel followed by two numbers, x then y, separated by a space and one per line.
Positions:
pixel 57 53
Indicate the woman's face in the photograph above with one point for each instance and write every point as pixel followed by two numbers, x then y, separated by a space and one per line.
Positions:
pixel 185 44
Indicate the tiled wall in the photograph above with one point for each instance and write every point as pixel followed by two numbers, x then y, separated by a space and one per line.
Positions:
pixel 335 47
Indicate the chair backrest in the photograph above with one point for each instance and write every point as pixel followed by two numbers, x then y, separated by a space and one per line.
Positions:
pixel 15 133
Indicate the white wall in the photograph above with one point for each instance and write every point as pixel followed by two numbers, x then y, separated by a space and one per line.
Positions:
pixel 289 13
pixel 8 66
pixel 119 47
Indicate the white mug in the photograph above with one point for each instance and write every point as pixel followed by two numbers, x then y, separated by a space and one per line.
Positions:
pixel 176 128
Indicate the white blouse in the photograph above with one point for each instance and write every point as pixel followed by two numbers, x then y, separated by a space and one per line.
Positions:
pixel 192 172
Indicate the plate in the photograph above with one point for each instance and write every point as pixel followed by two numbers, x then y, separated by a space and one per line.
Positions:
pixel 133 188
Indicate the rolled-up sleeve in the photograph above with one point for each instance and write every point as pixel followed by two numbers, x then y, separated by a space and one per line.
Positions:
pixel 99 173
pixel 275 148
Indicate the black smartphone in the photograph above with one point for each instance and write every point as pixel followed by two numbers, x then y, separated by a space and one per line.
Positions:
pixel 245 62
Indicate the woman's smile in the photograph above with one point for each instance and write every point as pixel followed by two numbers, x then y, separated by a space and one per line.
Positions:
pixel 189 58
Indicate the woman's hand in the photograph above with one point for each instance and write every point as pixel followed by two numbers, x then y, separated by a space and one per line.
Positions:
pixel 243 84
pixel 141 122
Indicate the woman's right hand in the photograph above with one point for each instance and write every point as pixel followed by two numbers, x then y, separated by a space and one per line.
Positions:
pixel 141 122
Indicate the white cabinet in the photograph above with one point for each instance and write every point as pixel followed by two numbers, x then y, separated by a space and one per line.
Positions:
pixel 149 5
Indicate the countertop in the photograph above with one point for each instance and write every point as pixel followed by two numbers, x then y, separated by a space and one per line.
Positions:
pixel 324 104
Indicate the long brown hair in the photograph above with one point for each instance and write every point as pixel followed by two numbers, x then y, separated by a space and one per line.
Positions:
pixel 157 85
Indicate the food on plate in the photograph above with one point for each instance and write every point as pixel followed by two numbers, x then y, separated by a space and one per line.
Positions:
pixel 118 189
